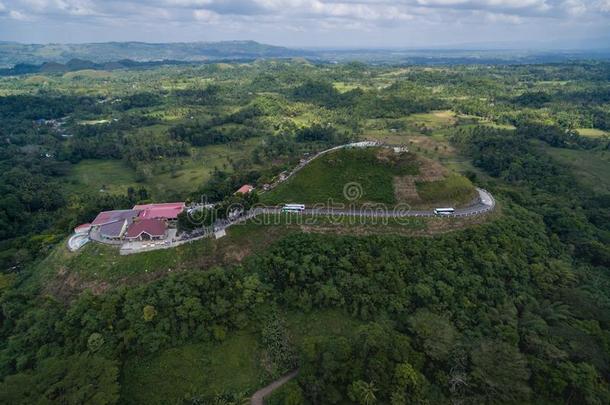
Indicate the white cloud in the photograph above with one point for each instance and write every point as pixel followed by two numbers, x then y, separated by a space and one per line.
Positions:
pixel 604 5
pixel 205 16
pixel 276 20
pixel 18 15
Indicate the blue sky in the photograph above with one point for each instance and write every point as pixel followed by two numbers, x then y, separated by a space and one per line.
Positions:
pixel 314 23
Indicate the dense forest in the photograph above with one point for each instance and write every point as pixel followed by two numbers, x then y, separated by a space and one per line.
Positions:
pixel 514 310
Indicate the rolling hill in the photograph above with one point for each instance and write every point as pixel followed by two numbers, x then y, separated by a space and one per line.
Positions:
pixel 373 175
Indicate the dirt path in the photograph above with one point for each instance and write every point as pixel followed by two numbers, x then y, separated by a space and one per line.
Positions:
pixel 259 396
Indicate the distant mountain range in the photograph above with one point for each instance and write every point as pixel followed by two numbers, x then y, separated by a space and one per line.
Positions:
pixel 80 64
pixel 12 53
pixel 17 58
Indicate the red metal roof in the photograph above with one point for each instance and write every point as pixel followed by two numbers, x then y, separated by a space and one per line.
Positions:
pixel 152 227
pixel 82 227
pixel 106 217
pixel 161 211
pixel 245 189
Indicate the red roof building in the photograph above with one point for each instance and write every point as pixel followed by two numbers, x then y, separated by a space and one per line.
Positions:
pixel 146 229
pixel 245 189
pixel 160 211
pixel 107 217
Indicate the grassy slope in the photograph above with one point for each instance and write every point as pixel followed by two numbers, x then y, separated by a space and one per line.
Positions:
pixel 591 167
pixel 453 190
pixel 186 371
pixel 326 177
pixel 96 261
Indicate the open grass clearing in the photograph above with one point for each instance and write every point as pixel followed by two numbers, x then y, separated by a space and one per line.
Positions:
pixel 169 178
pixel 592 132
pixel 454 191
pixel 368 171
pixel 181 373
pixel 591 167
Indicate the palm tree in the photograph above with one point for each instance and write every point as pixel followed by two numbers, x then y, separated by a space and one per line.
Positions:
pixel 364 392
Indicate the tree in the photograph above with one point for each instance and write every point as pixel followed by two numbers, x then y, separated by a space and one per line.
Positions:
pixel 149 313
pixel 362 392
pixel 77 379
pixel 436 334
pixel 500 372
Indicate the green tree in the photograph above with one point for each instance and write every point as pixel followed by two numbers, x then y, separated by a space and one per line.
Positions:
pixel 500 371
pixel 77 379
pixel 362 392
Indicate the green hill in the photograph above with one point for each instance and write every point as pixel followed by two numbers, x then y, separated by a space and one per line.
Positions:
pixel 372 175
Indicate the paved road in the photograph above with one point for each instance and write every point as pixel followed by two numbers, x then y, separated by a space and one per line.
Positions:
pixel 484 203
pixel 260 395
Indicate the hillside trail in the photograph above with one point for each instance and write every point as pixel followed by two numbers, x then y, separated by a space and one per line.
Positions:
pixel 259 396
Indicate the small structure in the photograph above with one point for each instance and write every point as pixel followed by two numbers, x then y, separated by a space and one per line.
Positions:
pixel 245 189
pixel 167 211
pixel 147 229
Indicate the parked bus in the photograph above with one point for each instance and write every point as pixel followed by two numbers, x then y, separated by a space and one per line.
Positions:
pixel 444 211
pixel 293 208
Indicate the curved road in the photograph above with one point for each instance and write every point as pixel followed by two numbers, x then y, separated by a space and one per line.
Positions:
pixel 484 203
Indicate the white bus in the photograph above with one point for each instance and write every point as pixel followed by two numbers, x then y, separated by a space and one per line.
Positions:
pixel 293 208
pixel 444 211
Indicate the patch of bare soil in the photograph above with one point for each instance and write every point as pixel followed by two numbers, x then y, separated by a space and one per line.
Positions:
pixel 430 170
pixel 405 189
pixel 385 155
pixel 67 284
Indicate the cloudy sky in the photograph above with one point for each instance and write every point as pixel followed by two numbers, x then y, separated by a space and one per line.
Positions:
pixel 313 23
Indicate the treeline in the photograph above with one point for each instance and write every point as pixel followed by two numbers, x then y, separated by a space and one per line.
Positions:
pixel 397 100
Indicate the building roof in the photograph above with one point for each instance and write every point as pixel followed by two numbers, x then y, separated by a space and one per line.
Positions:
pixel 106 217
pixel 245 189
pixel 160 211
pixel 152 227
pixel 112 229
pixel 82 228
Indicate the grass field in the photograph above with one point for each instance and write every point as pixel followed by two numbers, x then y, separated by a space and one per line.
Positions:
pixel 113 176
pixel 188 173
pixel 590 167
pixel 325 178
pixel 431 121
pixel 592 132
pixel 453 190
pixel 183 372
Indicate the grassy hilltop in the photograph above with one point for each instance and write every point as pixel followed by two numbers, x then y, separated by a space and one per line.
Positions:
pixel 380 176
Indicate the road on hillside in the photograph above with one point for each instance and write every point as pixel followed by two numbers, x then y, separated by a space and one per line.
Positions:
pixel 483 203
